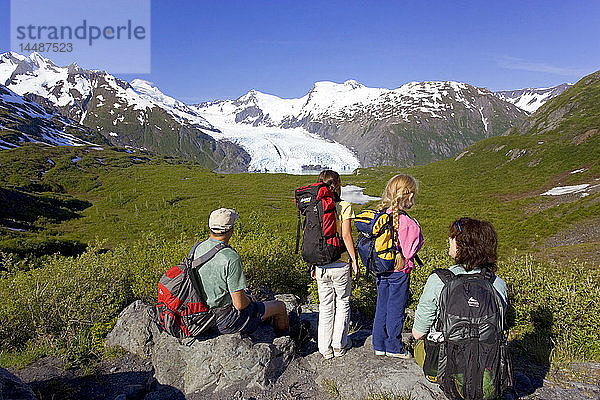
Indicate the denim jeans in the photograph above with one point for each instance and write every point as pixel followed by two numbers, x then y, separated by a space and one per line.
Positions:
pixel 334 307
pixel 392 296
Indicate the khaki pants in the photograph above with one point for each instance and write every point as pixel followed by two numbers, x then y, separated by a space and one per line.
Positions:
pixel 334 307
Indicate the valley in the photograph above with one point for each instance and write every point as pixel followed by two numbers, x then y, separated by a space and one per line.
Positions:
pixel 95 223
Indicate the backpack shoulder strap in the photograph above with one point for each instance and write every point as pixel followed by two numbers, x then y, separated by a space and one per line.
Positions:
pixel 190 255
pixel 444 274
pixel 203 259
pixel 487 275
pixel 298 229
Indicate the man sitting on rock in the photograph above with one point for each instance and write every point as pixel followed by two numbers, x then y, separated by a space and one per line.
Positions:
pixel 222 283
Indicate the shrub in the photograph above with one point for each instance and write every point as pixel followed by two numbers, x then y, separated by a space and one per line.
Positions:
pixel 269 259
pixel 554 305
pixel 61 301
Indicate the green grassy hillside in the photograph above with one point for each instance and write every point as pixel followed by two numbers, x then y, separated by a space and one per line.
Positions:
pixel 139 213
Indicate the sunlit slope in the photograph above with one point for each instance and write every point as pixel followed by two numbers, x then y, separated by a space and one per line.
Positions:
pixel 504 179
pixel 83 193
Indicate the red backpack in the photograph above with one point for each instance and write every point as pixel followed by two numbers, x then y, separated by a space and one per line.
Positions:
pixel 180 308
pixel 321 243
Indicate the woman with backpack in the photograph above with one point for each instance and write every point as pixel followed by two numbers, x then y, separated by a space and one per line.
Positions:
pixel 473 245
pixel 474 363
pixel 392 286
pixel 333 280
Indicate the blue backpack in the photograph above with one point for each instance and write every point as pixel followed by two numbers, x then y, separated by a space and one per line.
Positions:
pixel 377 240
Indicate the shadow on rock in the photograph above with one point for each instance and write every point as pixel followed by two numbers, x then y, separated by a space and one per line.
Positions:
pixel 117 386
pixel 531 353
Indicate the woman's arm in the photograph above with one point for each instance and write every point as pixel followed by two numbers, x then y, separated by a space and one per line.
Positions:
pixel 427 308
pixel 349 242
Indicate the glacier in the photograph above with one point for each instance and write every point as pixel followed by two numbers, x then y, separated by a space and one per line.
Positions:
pixel 274 149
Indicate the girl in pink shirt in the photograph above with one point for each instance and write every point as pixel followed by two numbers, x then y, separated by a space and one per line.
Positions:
pixel 392 286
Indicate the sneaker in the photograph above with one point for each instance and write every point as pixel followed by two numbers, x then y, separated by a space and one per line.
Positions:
pixel 404 355
pixel 328 356
pixel 379 353
pixel 343 350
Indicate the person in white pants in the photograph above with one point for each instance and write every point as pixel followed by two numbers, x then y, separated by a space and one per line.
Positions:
pixel 334 282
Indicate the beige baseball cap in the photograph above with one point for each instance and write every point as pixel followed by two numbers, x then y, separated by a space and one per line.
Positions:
pixel 221 220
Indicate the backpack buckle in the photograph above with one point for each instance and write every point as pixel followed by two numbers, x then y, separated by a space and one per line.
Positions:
pixel 473 332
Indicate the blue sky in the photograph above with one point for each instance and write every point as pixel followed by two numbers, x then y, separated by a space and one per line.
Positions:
pixel 205 50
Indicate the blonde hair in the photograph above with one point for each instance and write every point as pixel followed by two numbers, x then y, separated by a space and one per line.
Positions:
pixel 396 195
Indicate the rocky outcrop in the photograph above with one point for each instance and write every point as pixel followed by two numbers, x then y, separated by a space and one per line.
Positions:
pixel 12 388
pixel 211 362
pixel 360 374
pixel 219 366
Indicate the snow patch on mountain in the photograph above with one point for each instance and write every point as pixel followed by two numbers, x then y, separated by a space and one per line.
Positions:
pixel 562 190
pixel 530 99
pixel 50 127
pixel 182 112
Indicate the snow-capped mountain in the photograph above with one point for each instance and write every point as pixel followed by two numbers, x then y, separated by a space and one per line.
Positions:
pixel 338 126
pixel 23 121
pixel 531 99
pixel 135 114
pixel 415 123
pixel 70 87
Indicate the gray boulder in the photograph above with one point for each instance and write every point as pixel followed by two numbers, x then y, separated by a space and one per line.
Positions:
pixel 218 366
pixel 13 388
pixel 360 374
pixel 134 330
pixel 213 362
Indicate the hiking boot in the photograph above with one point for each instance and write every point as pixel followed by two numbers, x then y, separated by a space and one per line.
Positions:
pixel 404 355
pixel 343 350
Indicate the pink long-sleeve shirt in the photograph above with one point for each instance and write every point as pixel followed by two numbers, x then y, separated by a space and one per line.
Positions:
pixel 410 240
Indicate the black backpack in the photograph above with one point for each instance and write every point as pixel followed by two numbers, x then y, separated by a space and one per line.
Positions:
pixel 321 243
pixel 180 309
pixel 467 352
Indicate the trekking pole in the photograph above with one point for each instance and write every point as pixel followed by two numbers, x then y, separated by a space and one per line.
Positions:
pixel 298 233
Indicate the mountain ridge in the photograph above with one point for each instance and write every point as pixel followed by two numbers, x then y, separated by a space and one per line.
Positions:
pixel 23 120
pixel 530 99
pixel 113 108
pixel 413 124
pixel 335 125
